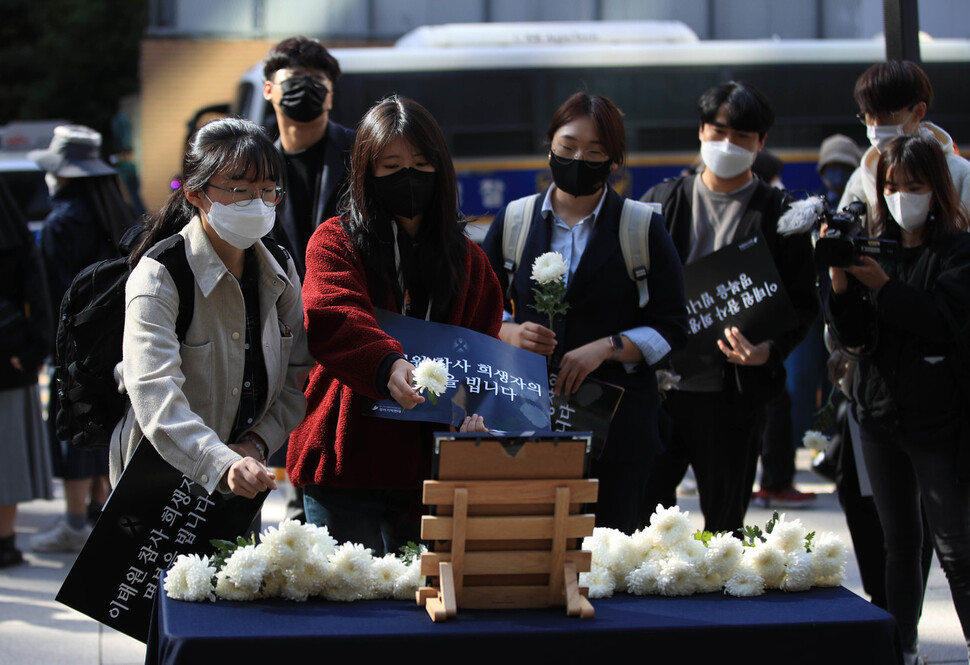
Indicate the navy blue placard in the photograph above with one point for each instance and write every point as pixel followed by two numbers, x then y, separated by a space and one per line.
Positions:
pixel 504 384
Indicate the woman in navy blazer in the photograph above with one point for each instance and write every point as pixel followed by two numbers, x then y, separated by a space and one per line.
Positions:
pixel 605 334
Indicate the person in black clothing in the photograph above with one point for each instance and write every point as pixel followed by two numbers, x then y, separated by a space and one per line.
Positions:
pixel 300 77
pixel 717 410
pixel 907 319
pixel 87 220
pixel 25 336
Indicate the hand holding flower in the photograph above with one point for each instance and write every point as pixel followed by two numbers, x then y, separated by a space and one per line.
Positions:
pixel 530 336
pixel 399 384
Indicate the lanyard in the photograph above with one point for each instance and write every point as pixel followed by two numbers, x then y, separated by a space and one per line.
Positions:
pixel 406 305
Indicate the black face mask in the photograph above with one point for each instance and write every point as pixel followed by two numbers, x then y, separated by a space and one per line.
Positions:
pixel 406 192
pixel 576 178
pixel 303 98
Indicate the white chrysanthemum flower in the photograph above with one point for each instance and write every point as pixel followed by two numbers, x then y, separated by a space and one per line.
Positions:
pixel 829 555
pixel 677 578
pixel 745 582
pixel 190 578
pixel 645 579
pixel 612 549
pixel 599 581
pixel 351 573
pixel 799 572
pixel 669 526
pixel 406 585
pixel 724 554
pixel 246 568
pixel 319 540
pixel 273 583
pixel 815 440
pixel 767 561
pixel 709 583
pixel 431 375
pixel 789 537
pixel 227 589
pixel 387 570
pixel 286 544
pixel 549 267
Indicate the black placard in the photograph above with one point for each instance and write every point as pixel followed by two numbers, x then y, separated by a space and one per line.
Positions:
pixel 154 514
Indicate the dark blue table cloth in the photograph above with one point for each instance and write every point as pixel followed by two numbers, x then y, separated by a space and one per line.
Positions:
pixel 821 626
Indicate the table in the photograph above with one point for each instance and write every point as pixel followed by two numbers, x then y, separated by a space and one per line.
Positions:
pixel 817 626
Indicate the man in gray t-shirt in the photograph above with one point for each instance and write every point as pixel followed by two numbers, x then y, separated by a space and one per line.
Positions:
pixel 716 411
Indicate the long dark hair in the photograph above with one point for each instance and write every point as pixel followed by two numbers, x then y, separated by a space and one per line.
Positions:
pixel 232 146
pixel 923 158
pixel 441 252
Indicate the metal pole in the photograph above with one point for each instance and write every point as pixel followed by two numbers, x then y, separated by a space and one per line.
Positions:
pixel 901 21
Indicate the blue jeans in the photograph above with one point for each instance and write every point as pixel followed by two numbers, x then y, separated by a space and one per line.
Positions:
pixel 905 471
pixel 381 520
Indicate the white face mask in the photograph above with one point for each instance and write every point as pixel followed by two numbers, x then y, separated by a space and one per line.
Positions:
pixel 724 159
pixel 880 136
pixel 52 185
pixel 241 226
pixel 909 210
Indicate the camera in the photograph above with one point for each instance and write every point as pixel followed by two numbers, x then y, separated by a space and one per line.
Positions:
pixel 842 245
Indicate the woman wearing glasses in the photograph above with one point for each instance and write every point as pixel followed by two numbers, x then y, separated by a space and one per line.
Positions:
pixel 610 331
pixel 216 401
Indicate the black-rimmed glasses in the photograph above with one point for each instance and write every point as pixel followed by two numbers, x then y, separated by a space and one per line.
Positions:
pixel 241 196
pixel 592 158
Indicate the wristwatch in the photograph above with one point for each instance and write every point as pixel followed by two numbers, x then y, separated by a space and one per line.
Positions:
pixel 616 343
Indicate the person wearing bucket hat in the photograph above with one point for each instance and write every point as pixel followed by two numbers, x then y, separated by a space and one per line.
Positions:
pixel 87 219
pixel 838 157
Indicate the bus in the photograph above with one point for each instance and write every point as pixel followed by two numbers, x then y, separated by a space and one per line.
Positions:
pixel 494 87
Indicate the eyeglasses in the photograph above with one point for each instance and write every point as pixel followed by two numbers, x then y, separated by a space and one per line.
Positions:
pixel 883 118
pixel 241 196
pixel 592 158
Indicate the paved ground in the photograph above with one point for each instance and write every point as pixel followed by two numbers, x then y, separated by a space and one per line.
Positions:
pixel 36 629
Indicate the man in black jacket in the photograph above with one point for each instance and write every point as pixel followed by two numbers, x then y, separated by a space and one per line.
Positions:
pixel 716 411
pixel 300 76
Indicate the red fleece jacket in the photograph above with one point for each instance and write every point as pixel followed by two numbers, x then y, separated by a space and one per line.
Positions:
pixel 335 445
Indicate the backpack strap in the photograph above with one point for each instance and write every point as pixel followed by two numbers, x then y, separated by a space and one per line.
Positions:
pixel 634 235
pixel 518 221
pixel 173 257
pixel 277 250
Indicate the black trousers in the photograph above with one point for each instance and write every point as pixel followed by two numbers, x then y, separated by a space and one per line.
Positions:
pixel 720 437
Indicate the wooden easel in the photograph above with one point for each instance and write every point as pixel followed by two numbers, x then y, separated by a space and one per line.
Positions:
pixel 503 539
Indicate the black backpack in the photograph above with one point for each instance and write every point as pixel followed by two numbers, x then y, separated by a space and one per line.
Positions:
pixel 88 344
pixel 89 338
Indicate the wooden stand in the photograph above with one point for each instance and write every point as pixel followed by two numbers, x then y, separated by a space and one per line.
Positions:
pixel 503 543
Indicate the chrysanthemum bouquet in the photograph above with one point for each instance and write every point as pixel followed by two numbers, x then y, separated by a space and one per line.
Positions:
pixel 549 274
pixel 671 558
pixel 294 561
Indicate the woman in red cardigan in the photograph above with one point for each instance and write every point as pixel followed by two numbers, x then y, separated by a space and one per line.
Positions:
pixel 399 245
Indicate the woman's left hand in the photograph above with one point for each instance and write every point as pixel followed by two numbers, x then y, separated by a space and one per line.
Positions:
pixel 578 363
pixel 869 273
pixel 15 361
pixel 741 351
pixel 473 423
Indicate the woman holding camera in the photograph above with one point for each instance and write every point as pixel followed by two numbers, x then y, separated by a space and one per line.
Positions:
pixel 908 319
